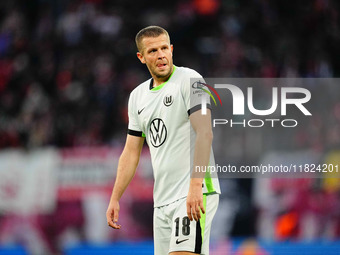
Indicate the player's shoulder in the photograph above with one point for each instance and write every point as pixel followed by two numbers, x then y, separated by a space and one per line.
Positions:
pixel 187 72
pixel 186 77
pixel 141 88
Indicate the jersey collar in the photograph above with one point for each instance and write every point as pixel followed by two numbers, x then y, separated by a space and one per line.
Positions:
pixel 162 85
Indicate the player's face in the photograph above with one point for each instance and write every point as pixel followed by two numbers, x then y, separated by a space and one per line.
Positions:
pixel 157 55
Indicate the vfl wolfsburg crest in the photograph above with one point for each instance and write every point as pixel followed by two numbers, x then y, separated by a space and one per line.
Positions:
pixel 168 100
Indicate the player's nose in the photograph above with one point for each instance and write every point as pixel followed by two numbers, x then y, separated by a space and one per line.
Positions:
pixel 160 53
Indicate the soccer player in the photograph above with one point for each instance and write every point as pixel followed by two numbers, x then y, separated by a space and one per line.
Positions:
pixel 165 111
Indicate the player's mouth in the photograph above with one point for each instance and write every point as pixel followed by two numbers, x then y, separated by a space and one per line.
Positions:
pixel 161 66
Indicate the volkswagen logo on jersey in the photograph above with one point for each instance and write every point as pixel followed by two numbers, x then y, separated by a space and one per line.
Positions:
pixel 168 100
pixel 157 133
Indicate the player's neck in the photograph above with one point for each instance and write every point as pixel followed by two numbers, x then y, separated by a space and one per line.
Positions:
pixel 160 81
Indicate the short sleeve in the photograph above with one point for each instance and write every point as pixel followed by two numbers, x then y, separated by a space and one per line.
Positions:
pixel 133 127
pixel 195 93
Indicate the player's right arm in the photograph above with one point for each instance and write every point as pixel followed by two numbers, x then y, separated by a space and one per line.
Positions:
pixel 127 165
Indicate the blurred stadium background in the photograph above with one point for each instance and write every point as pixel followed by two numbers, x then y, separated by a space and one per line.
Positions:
pixel 66 70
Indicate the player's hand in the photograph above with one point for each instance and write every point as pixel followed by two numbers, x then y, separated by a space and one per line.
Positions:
pixel 112 215
pixel 195 201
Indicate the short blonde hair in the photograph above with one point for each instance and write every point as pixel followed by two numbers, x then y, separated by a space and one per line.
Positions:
pixel 150 31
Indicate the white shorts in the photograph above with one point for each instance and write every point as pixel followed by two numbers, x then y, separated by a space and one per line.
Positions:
pixel 173 231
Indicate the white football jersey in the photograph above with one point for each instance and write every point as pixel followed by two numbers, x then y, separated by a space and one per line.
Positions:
pixel 161 114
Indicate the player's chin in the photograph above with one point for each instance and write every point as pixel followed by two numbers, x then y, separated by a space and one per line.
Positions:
pixel 162 69
pixel 161 73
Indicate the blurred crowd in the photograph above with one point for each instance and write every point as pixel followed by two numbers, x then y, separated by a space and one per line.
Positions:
pixel 67 67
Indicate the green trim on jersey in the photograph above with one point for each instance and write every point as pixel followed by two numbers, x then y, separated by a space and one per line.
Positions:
pixel 162 85
pixel 209 183
pixel 143 135
pixel 202 220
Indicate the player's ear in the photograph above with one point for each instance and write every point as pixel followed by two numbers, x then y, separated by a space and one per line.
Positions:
pixel 172 47
pixel 140 57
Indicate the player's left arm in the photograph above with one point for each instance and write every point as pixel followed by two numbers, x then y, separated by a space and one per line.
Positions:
pixel 204 136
